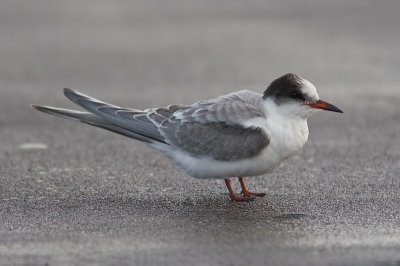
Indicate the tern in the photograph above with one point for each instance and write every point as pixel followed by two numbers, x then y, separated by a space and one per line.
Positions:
pixel 240 134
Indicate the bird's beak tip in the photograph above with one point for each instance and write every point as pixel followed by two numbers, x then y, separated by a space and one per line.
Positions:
pixel 325 106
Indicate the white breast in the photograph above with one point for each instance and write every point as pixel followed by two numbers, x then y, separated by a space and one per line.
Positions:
pixel 288 133
pixel 286 137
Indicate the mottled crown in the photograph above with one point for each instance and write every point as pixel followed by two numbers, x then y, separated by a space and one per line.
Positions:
pixel 283 85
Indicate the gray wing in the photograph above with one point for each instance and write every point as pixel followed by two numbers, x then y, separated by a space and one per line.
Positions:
pixel 133 120
pixel 214 128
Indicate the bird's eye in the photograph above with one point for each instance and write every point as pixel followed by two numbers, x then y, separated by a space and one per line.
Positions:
pixel 295 95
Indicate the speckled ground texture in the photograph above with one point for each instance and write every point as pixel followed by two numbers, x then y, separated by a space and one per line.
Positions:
pixel 97 198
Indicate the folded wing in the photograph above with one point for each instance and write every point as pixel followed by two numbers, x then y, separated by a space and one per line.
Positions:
pixel 212 128
pixel 215 128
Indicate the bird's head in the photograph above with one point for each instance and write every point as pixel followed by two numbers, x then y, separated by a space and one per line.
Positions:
pixel 294 96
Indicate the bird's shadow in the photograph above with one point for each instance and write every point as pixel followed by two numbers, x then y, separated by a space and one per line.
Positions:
pixel 138 215
pixel 207 214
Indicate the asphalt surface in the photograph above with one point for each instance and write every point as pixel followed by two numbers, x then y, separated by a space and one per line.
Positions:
pixel 75 195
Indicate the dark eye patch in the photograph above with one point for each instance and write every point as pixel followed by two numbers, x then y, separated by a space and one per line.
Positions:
pixel 296 96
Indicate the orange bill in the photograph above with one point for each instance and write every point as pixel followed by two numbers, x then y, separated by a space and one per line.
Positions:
pixel 325 106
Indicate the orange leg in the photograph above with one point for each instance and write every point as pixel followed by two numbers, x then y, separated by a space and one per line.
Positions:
pixel 233 196
pixel 248 193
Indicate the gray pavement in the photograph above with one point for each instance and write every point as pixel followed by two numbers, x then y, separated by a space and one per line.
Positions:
pixel 96 198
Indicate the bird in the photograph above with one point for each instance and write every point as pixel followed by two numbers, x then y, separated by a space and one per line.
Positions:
pixel 241 134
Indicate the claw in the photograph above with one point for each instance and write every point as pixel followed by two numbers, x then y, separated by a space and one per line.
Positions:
pixel 253 194
pixel 235 197
pixel 248 193
pixel 239 198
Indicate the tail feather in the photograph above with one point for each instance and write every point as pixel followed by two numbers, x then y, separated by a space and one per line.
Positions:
pixel 130 119
pixel 91 119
